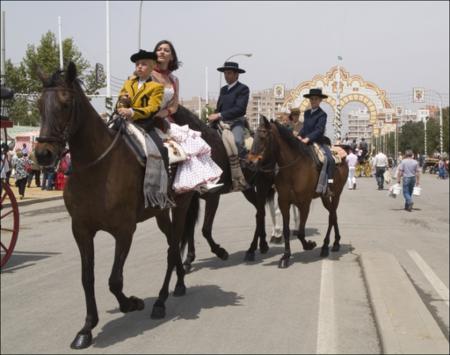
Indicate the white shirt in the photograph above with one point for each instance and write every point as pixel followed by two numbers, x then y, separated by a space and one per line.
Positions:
pixel 314 110
pixel 232 84
pixel 351 160
pixel 380 160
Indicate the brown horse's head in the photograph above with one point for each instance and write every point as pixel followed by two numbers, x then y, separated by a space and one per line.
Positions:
pixel 57 108
pixel 262 150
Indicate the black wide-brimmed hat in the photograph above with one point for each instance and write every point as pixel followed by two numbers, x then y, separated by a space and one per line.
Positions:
pixel 143 55
pixel 231 66
pixel 315 92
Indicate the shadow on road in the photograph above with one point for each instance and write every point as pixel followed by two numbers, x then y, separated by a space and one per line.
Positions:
pixel 298 255
pixel 20 258
pixel 311 256
pixel 187 307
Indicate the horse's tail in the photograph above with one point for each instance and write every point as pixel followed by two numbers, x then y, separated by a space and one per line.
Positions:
pixel 191 220
pixel 270 195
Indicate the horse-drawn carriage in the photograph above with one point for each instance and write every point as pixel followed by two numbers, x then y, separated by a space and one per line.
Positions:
pixel 430 165
pixel 8 207
pixel 364 166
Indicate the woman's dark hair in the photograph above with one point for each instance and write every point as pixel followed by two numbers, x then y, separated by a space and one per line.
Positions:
pixel 174 64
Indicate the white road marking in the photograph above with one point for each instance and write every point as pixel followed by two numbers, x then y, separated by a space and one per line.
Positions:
pixel 326 329
pixel 432 278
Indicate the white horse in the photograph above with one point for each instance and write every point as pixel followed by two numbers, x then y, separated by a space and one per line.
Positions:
pixel 275 214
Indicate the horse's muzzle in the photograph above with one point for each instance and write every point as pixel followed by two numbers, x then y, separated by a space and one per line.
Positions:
pixel 46 154
pixel 254 158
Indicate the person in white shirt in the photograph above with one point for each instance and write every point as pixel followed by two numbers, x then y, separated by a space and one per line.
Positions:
pixel 380 163
pixel 351 160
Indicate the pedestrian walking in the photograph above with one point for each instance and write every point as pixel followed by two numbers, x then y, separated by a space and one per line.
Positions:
pixel 380 163
pixel 351 160
pixel 35 171
pixel 20 165
pixel 410 171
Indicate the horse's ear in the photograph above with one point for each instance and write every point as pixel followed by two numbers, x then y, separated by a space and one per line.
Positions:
pixel 264 121
pixel 71 73
pixel 41 75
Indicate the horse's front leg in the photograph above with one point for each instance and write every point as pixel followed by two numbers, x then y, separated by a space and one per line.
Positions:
pixel 173 259
pixel 337 236
pixel 304 212
pixel 123 244
pixel 189 231
pixel 326 242
pixel 258 201
pixel 211 204
pixel 85 242
pixel 284 208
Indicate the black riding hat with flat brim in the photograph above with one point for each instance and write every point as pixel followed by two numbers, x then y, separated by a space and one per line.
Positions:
pixel 315 92
pixel 143 55
pixel 231 66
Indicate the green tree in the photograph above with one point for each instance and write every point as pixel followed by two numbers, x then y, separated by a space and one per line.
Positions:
pixel 206 111
pixel 23 78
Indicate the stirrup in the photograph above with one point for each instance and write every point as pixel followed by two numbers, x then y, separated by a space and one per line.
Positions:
pixel 209 188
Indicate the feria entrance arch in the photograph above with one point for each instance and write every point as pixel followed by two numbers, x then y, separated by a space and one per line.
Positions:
pixel 352 88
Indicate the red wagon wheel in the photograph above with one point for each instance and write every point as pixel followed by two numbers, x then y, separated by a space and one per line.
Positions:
pixel 9 222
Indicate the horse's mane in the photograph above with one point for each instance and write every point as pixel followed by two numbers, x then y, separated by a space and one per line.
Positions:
pixel 183 116
pixel 292 141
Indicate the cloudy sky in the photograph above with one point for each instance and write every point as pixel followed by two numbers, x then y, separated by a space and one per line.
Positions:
pixel 396 45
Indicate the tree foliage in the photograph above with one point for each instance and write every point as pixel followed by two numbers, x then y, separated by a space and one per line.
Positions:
pixel 412 136
pixel 23 78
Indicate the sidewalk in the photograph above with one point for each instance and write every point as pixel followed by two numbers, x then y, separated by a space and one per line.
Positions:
pixel 34 194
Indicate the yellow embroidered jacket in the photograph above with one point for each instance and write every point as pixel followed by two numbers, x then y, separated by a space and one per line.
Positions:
pixel 145 101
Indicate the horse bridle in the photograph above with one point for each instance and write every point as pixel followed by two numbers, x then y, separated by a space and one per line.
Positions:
pixel 69 130
pixel 274 168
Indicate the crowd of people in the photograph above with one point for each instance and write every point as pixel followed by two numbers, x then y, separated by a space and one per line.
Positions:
pixel 22 166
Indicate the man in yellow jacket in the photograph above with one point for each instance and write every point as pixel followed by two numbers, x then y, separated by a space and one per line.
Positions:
pixel 145 96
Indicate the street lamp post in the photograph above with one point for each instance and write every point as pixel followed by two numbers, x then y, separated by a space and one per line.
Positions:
pixel 226 60
pixel 140 17
pixel 337 118
pixel 425 135
pixel 441 137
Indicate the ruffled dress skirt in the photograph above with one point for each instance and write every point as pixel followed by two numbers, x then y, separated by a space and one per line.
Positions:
pixel 199 168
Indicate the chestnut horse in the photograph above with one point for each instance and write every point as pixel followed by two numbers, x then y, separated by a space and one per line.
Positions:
pixel 104 192
pixel 296 182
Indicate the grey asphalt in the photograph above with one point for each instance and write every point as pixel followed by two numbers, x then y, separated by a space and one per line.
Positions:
pixel 230 306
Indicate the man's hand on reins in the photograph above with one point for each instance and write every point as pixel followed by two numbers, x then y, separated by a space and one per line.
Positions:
pixel 213 117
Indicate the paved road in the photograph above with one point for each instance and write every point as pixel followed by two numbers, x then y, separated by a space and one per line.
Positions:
pixel 314 306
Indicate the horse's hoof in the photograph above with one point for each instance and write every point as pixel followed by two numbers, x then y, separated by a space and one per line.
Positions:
pixel 310 245
pixel 249 256
pixel 187 268
pixel 276 240
pixel 222 254
pixel 324 252
pixel 134 304
pixel 283 263
pixel 158 311
pixel 180 290
pixel 264 248
pixel 335 247
pixel 82 341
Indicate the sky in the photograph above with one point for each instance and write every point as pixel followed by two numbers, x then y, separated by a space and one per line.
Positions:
pixel 396 45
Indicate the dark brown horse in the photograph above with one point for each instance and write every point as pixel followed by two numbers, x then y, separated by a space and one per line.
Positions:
pixel 296 182
pixel 261 183
pixel 104 192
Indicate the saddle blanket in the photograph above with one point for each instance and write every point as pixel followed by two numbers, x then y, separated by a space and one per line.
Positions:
pixel 338 153
pixel 137 135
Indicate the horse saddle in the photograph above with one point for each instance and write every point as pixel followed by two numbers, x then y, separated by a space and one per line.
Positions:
pixel 135 138
pixel 337 152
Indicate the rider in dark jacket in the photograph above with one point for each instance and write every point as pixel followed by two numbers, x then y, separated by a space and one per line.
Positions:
pixel 313 131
